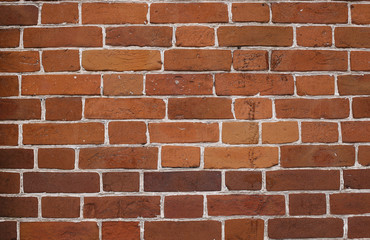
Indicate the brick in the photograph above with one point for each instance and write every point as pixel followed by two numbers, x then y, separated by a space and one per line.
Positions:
pixel 308 60
pixel 284 228
pixel 354 84
pixel 8 230
pixel 152 36
pixel 352 37
pixel 120 230
pixel 280 132
pixel 122 207
pixel 243 180
pixel 315 85
pixel 317 156
pixel 197 60
pixel 9 182
pixel 24 61
pixel 309 36
pixel 127 132
pixel 240 157
pixel 9 86
pixel 195 36
pixel 325 132
pixel 364 155
pixel 59 13
pixel 356 179
pixel 179 84
pixel 199 108
pixel 51 182
pixel 121 182
pixel 183 132
pixel 9 38
pixel 59 230
pixel 18 207
pixel 56 158
pixel 18 15
pixel 133 108
pixel 60 207
pixel 240 133
pixel 234 36
pixel 283 180
pixel 20 109
pixel 229 205
pixel 188 13
pixel 189 181
pixel 359 61
pixel 63 37
pixel 252 84
pixel 355 131
pixel 309 12
pixel 63 133
pixel 166 230
pixel 250 12
pixel 114 13
pixel 16 158
pixel 64 109
pixel 79 84
pixel 253 108
pixel 358 227
pixel 244 229
pixel 307 204
pixel 8 135
pixel 312 108
pixel 250 60
pixel 61 60
pixel 361 107
pixel 119 157
pixel 123 84
pixel 360 13
pixel 121 60
pixel 349 203
pixel 188 206
pixel 180 157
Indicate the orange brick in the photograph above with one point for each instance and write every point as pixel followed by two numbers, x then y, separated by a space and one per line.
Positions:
pixel 280 132
pixel 361 107
pixel 360 13
pixel 18 15
pixel 9 86
pixel 364 155
pixel 319 132
pixel 8 134
pixel 250 12
pixel 9 37
pixel 359 61
pixel 245 60
pixel 122 84
pixel 240 133
pixel 189 206
pixel 195 36
pixel 59 13
pixel 253 108
pixel 315 85
pixel 127 132
pixel 355 131
pixel 20 109
pixel 63 109
pixel 309 36
pixel 61 60
pixel 180 157
pixel 355 37
pixel 25 61
pixel 57 158
pixel 354 84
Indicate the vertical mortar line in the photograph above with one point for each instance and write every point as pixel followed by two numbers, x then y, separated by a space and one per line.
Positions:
pixel 82 202
pixel 101 85
pixel 349 60
pixel 349 13
pixel 18 229
pixel 220 132
pixel 327 201
pixel 223 229
pixel 229 11
pixel 141 181
pixel 80 60
pixel 336 91
pixel 101 182
pixel 39 6
pixel 43 109
pixel 106 134
pixel 77 156
pixel 341 187
pixel 223 181
pixel 21 30
pixel 357 164
pixel 202 149
pixel 350 108
pixel 295 94
pixel 20 135
pixel 83 108
pixel 294 35
pixel 103 35
pixel 174 29
pixel 265 229
pixel 214 85
pixel 162 206
pixel 36 156
pixel 205 206
pixel 233 107
pixel 263 187
pixel 141 225
pixel 345 227
pixel 299 131
pixel 144 84
pixel 259 132
pixel 100 229
pixel 166 106
pixel 39 207
pixel 286 196
pixel 270 12
pixel 19 85
pixel 159 157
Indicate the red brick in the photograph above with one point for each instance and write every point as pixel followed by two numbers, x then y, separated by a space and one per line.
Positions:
pixel 253 108
pixel 197 60
pixel 188 206
pixel 354 84
pixel 243 180
pixel 183 132
pixel 139 36
pixel 353 37
pixel 250 12
pixel 244 229
pixel 195 36
pixel 63 37
pixel 20 109
pixel 355 131
pixel 199 108
pixel 18 207
pixel 123 84
pixel 63 133
pixel 250 60
pixel 9 86
pixel 350 203
pixel 359 61
pixel 24 61
pixel 360 13
pixel 317 156
pixel 9 38
pixel 122 207
pixel 357 178
pixel 179 84
pixel 361 107
pixel 307 204
pixel 358 227
pixel 59 13
pixel 119 157
pixel 121 230
pixel 61 60
pixel 133 108
pixel 58 158
pixel 8 230
pixel 127 132
pixel 319 132
pixel 9 182
pixel 280 132
pixel 240 133
pixel 18 15
pixel 60 207
pixel 188 13
pixel 315 85
pixel 16 158
pixel 309 36
pixel 8 134
pixel 121 182
pixel 64 109
pixel 364 155
pixel 180 157
pixel 253 84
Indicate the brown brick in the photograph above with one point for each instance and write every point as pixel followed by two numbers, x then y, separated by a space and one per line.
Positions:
pixel 359 61
pixel 20 109
pixel 317 156
pixel 9 38
pixel 355 131
pixel 9 182
pixel 250 12
pixel 309 36
pixel 361 107
pixel 64 109
pixel 180 157
pixel 127 132
pixel 132 108
pixel 364 155
pixel 197 60
pixel 59 13
pixel 315 85
pixel 61 60
pixel 121 60
pixel 8 230
pixel 199 108
pixel 60 207
pixel 358 227
pixel 80 84
pixel 319 132
pixel 253 108
pixel 25 61
pixel 119 157
pixel 16 158
pixel 188 13
pixel 188 206
pixel 18 15
pixel 195 36
pixel 307 204
pixel 244 229
pixel 123 84
pixel 152 36
pixel 179 84
pixel 63 37
pixel 357 178
pixel 280 132
pixel 350 203
pixel 243 180
pixel 121 230
pixel 58 158
pixel 63 133
pixel 240 132
pixel 8 135
pixel 9 86
pixel 360 13
pixel 121 181
pixel 18 207
pixel 253 84
pixel 114 13
pixel 353 37
pixel 240 157
pixel 354 84
pixel 250 60
pixel 183 132
pixel 122 207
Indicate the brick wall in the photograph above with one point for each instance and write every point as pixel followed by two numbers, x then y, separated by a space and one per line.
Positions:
pixel 184 120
